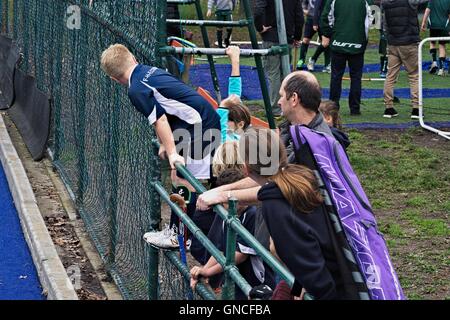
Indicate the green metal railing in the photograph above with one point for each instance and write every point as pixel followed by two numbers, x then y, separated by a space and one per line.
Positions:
pixel 275 50
pixel 229 268
pixel 237 226
pixel 232 275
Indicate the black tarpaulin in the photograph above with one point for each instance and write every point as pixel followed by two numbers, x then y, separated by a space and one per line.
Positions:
pixel 31 114
pixel 9 55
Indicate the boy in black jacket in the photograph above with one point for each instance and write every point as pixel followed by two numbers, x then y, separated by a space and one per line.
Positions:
pixel 250 265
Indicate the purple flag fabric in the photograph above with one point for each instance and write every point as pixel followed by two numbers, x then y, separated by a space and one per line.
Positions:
pixel 355 213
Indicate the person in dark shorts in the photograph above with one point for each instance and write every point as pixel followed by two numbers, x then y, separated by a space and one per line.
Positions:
pixel 314 9
pixel 437 16
pixel 224 12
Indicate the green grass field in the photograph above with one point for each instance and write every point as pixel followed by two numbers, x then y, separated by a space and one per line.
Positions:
pixel 405 174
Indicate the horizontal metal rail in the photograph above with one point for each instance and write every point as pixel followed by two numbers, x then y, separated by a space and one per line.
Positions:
pixel 232 271
pixel 168 50
pixel 208 23
pixel 181 2
pixel 236 225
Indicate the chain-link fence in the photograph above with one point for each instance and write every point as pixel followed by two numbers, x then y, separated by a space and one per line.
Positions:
pixel 100 145
pixel 102 148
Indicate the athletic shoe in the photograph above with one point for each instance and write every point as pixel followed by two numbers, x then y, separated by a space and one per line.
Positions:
pixel 355 113
pixel 390 113
pixel 165 239
pixel 327 69
pixel 434 68
pixel 383 75
pixel 441 72
pixel 301 65
pixel 415 113
pixel 311 65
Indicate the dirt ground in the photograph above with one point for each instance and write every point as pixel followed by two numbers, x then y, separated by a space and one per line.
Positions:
pixel 419 259
pixel 58 223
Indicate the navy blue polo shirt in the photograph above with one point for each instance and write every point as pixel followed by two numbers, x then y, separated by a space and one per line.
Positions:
pixel 155 92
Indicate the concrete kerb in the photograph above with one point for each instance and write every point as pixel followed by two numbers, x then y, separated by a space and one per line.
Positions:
pixel 110 289
pixel 53 276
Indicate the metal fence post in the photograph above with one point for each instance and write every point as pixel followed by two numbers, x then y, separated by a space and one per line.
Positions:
pixel 259 65
pixel 282 38
pixel 153 272
pixel 229 286
pixel 78 40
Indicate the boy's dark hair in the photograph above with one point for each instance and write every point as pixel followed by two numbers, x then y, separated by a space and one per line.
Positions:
pixel 308 91
pixel 229 176
pixel 238 113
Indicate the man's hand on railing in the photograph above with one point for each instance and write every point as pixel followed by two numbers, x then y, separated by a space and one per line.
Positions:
pixel 211 198
pixel 196 275
pixel 265 29
pixel 325 41
pixel 175 157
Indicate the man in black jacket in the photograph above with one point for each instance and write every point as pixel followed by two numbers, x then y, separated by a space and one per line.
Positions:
pixel 266 25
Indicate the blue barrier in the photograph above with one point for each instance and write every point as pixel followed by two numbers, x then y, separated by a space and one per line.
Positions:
pixel 18 277
pixel 200 76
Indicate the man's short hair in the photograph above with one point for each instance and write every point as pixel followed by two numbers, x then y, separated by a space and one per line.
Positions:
pixel 307 88
pixel 116 60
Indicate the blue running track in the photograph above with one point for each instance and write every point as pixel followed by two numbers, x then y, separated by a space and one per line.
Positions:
pixel 200 76
pixel 18 277
pixel 414 124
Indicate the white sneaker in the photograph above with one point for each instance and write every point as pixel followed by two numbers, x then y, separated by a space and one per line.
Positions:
pixel 327 69
pixel 165 239
pixel 311 65
pixel 441 72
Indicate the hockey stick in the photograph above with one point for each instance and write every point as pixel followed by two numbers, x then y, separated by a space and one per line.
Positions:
pixel 366 79
pixel 182 233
